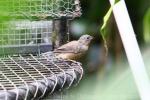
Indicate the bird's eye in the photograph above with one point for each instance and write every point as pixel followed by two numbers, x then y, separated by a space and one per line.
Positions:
pixel 88 37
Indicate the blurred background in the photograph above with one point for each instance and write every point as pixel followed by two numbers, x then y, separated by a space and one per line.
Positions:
pixel 106 77
pixel 109 77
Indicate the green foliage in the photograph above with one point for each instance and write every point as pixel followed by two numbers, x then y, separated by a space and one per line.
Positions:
pixel 20 9
pixel 6 6
pixel 146 26
pixel 104 29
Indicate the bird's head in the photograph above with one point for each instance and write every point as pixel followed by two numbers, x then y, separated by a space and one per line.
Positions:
pixel 85 39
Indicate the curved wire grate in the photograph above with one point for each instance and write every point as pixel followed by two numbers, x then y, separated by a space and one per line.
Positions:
pixel 33 77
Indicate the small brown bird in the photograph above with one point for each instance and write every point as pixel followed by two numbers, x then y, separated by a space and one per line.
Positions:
pixel 74 49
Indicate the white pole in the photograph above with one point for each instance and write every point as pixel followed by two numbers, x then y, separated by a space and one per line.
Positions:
pixel 132 49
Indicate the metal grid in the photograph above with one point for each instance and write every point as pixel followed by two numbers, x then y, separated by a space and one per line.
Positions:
pixel 32 77
pixel 26 73
pixel 43 8
pixel 25 37
pixel 29 29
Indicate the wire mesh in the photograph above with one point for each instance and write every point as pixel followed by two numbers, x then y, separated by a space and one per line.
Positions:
pixel 25 36
pixel 26 73
pixel 32 77
pixel 43 8
pixel 29 30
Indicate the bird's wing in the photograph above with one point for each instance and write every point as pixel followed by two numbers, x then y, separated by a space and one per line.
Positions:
pixel 67 48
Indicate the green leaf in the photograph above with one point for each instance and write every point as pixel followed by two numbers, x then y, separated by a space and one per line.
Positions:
pixel 105 20
pixel 104 27
pixel 146 26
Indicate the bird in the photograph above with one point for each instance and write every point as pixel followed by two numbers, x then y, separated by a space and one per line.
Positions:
pixel 75 49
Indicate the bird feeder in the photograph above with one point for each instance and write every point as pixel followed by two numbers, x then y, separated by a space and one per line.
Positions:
pixel 27 70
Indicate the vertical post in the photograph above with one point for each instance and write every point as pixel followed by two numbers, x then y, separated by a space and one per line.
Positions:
pixel 63 30
pixel 132 49
pixel 60 29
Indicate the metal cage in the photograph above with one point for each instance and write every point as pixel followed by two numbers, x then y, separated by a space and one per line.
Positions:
pixel 44 8
pixel 25 37
pixel 32 77
pixel 27 70
pixel 36 25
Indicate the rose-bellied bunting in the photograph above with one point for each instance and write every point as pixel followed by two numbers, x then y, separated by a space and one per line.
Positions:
pixel 74 49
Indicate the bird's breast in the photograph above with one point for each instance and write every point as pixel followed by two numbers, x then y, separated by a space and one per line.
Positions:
pixel 72 56
pixel 83 49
